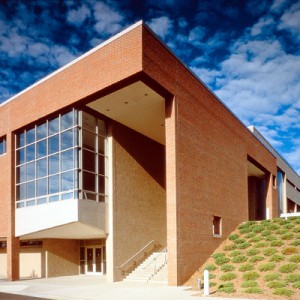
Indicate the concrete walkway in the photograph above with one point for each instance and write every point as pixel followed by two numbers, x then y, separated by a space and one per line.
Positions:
pixel 96 288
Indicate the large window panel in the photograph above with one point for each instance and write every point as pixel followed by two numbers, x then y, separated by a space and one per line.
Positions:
pixel 41 149
pixel 30 189
pixel 20 156
pixel 30 152
pixel 67 139
pixel 54 184
pixel 88 181
pixel 30 171
pixel 88 140
pixel 42 131
pixel 30 136
pixel 53 164
pixel 53 144
pixel 54 126
pixel 42 167
pixel 41 187
pixel 67 160
pixel 88 160
pixel 67 120
pixel 67 181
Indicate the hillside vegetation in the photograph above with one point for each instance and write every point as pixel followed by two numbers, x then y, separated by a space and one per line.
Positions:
pixel 260 259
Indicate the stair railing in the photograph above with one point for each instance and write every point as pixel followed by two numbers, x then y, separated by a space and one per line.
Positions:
pixel 138 257
pixel 158 266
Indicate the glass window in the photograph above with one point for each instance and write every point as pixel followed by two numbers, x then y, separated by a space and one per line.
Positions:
pixel 30 152
pixel 53 198
pixel 41 187
pixel 67 160
pixel 21 192
pixel 30 171
pixel 88 160
pixel 21 140
pixel 88 140
pixel 101 145
pixel 2 146
pixel 88 181
pixel 41 200
pixel 67 120
pixel 88 122
pixel 53 144
pixel 101 184
pixel 21 174
pixel 101 164
pixel 66 139
pixel 101 128
pixel 30 189
pixel 41 149
pixel 67 181
pixel 53 164
pixel 21 156
pixel 54 126
pixel 53 184
pixel 217 226
pixel 41 131
pixel 30 136
pixel 42 167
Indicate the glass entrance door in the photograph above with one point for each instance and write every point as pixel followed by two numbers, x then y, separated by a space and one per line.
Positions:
pixel 94 260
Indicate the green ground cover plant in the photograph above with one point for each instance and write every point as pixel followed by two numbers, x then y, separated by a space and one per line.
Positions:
pixel 271 277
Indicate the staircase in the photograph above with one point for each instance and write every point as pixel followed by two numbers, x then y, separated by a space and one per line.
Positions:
pixel 153 269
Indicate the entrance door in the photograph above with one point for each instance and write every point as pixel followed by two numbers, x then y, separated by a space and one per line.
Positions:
pixel 94 260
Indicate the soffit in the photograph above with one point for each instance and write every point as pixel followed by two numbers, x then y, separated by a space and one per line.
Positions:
pixel 136 106
pixel 255 171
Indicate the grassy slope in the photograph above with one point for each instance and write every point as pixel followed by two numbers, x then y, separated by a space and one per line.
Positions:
pixel 259 260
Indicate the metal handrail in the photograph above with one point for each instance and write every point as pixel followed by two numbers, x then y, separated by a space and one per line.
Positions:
pixel 132 258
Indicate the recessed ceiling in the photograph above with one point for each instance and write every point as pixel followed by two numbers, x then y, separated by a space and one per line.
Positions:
pixel 136 106
pixel 255 171
pixel 75 230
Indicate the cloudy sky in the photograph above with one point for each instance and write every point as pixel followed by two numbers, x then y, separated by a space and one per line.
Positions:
pixel 246 51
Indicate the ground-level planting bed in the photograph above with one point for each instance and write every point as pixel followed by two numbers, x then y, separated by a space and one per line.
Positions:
pixel 260 259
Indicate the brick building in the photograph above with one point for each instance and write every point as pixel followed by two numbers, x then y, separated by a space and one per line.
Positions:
pixel 123 152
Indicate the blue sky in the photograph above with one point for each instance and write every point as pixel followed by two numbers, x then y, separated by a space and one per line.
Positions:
pixel 247 52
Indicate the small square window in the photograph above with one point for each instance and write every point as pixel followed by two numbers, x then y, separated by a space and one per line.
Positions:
pixel 2 145
pixel 217 226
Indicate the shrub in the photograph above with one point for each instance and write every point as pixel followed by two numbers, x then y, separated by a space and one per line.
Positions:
pixel 276 243
pixel 261 245
pixel 235 253
pixel 249 283
pixel 296 285
pixel 288 226
pixel 288 268
pixel 289 250
pixel 250 235
pixel 295 243
pixel 266 233
pixel 296 229
pixel 256 258
pixel 227 268
pixel 270 238
pixel 217 255
pixel 233 237
pixel 212 283
pixel 295 258
pixel 255 239
pixel 245 230
pixel 239 259
pixel 252 252
pixel 271 277
pixel 269 251
pixel 277 284
pixel 276 258
pixel 227 288
pixel 243 245
pixel 246 224
pixel 253 290
pixel 282 231
pixel 291 278
pixel 246 267
pixel 228 277
pixel 257 228
pixel 266 267
pixel 283 292
pixel 273 226
pixel 229 247
pixel 222 260
pixel 239 241
pixel 250 275
pixel 210 267
pixel 287 236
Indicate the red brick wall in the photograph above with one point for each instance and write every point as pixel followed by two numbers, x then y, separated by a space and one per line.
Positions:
pixel 210 150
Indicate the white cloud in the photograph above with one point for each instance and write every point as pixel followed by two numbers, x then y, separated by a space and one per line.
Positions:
pixel 161 26
pixel 290 20
pixel 108 21
pixel 196 35
pixel 262 25
pixel 277 5
pixel 78 16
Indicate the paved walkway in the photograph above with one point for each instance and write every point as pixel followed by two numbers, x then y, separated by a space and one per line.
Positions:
pixel 96 288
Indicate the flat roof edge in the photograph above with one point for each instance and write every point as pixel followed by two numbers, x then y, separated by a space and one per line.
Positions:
pixel 103 44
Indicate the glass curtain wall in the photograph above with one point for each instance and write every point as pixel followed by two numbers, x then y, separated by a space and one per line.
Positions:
pixel 280 183
pixel 61 158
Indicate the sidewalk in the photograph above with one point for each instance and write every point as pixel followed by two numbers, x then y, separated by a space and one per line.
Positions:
pixel 96 288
